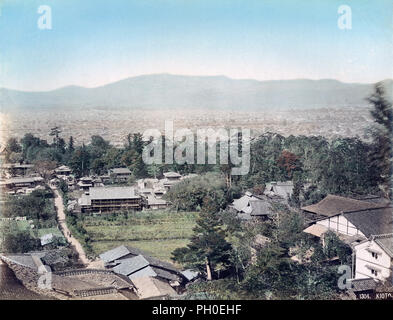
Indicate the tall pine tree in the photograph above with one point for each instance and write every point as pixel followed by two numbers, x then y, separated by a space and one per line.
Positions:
pixel 208 249
pixel 381 155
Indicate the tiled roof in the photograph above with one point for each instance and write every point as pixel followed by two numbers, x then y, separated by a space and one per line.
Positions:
pixel 363 284
pixel 120 170
pixel 385 241
pixel 131 265
pixel 130 261
pixel 374 221
pixel 24 180
pixel 62 168
pixel 152 200
pixel 190 274
pixel 252 205
pixel 260 207
pixel 119 252
pixel 166 274
pixel 332 205
pixel 112 193
pixel 171 174
pixel 145 272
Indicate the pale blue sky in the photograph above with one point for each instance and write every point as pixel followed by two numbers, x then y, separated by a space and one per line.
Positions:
pixel 95 42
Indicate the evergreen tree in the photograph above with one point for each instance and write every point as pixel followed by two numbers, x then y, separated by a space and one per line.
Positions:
pixel 70 147
pixel 381 155
pixel 208 250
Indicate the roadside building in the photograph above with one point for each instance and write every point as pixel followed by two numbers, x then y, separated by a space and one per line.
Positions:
pixel 119 175
pixel 170 179
pixel 22 183
pixel 104 199
pixel 16 169
pixel 63 171
pixel 154 203
pixel 85 183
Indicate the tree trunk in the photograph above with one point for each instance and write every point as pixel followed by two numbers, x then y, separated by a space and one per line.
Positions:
pixel 208 270
pixel 229 180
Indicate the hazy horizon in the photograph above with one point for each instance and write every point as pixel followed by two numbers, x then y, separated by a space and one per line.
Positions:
pixel 196 76
pixel 92 43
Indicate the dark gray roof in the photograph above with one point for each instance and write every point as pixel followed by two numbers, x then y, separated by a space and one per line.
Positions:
pixel 145 272
pixel 164 274
pixel 385 241
pixel 260 207
pixel 332 205
pixel 282 188
pixel 190 274
pixel 129 261
pixel 376 221
pixel 126 251
pixel 363 284
pixel 131 265
pixel 118 253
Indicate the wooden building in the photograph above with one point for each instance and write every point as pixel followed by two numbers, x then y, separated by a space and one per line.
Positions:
pixel 119 174
pixel 104 199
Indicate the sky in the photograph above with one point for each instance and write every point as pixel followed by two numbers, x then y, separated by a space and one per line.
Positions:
pixel 95 42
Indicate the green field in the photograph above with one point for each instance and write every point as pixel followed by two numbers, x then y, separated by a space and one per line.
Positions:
pixel 156 232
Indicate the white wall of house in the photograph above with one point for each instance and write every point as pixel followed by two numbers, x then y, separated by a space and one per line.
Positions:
pixel 372 261
pixel 341 225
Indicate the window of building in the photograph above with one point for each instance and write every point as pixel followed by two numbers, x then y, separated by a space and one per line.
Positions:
pixel 374 255
pixel 374 272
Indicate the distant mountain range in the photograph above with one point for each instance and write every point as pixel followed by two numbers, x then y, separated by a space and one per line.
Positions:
pixel 167 91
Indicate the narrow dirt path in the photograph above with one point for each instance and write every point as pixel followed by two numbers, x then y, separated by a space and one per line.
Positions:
pixel 61 217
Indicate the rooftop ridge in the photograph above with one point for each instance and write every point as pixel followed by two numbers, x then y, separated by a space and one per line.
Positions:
pixel 368 209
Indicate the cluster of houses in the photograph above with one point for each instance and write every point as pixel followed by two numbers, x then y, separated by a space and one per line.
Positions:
pixel 261 206
pixel 98 193
pixel 365 224
pixel 127 273
pixel 16 178
pixel 151 277
pixel 145 194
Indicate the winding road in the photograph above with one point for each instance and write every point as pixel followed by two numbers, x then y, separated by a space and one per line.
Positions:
pixel 61 217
